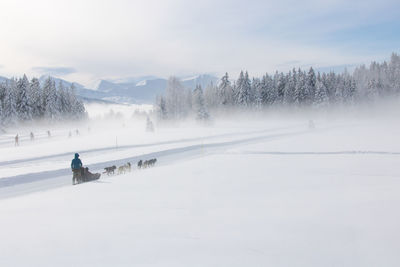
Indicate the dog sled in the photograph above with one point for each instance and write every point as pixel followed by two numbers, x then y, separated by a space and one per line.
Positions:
pixel 85 176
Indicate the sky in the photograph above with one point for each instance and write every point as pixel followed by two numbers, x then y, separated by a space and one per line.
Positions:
pixel 88 40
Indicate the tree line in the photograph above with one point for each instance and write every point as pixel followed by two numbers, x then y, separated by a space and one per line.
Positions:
pixel 22 100
pixel 296 88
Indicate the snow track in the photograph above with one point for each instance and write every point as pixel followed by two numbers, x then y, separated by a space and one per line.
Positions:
pixel 44 180
pixel 105 149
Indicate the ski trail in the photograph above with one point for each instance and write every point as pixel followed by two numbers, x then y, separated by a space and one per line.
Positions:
pixel 105 149
pixel 32 182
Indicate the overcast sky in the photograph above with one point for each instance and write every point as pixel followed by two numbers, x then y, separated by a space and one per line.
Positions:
pixel 88 40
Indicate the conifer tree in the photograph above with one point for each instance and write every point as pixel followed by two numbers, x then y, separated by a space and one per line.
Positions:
pixel 310 86
pixel 212 96
pixel 225 91
pixel 36 99
pixel 243 90
pixel 23 105
pixel 10 103
pixel 199 104
pixel 161 109
pixel 50 100
pixel 321 96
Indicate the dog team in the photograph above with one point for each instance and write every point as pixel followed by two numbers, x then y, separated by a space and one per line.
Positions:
pixel 127 167
pixel 146 163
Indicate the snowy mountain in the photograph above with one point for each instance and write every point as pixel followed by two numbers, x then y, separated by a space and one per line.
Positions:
pixel 139 90
pixel 3 79
pixel 145 90
pixel 88 95
pixel 203 80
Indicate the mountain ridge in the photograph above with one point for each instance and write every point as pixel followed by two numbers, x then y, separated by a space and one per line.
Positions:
pixel 140 90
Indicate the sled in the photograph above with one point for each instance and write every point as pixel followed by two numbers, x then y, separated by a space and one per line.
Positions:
pixel 88 176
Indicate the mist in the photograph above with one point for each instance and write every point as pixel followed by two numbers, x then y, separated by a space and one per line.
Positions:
pixel 274 141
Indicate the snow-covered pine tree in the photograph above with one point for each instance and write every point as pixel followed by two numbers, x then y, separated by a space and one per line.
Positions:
pixel 348 88
pixel 264 90
pixel 298 88
pixel 310 86
pixel 280 87
pixel 268 92
pixel 161 109
pixel 244 90
pixel 394 73
pixel 225 91
pixel 49 97
pixel 70 100
pixel 321 94
pixel 36 99
pixel 238 87
pixel 352 91
pixel 175 97
pixel 256 93
pixel 10 114
pixel 211 96
pixel 24 106
pixel 339 88
pixel 187 104
pixel 372 91
pixel 199 104
pixel 62 101
pixel 289 90
pixel 77 106
pixel 3 90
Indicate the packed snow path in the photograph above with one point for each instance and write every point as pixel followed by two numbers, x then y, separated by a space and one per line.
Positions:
pixel 187 148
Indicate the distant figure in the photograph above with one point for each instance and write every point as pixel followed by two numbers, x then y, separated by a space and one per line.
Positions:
pixel 88 129
pixel 16 140
pixel 32 136
pixel 48 134
pixel 77 132
pixel 149 125
pixel 76 166
pixel 69 134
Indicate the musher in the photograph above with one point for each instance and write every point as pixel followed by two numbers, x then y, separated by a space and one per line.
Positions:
pixel 76 166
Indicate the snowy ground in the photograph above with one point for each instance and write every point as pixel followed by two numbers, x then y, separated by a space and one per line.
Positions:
pixel 251 193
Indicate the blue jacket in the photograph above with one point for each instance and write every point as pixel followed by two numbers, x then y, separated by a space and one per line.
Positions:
pixel 76 163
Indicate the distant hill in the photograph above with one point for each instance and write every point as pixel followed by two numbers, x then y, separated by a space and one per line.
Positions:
pixel 145 91
pixel 80 89
pixel 3 79
pixel 141 90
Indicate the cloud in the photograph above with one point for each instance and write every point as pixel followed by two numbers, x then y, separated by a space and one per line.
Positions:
pixel 126 38
pixel 54 70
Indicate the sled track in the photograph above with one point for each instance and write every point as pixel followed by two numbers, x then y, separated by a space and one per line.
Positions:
pixel 33 182
pixel 104 149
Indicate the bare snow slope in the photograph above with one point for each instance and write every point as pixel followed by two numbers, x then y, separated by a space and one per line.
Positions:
pixel 271 195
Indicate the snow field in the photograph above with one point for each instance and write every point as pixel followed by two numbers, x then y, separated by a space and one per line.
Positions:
pixel 214 211
pixel 291 198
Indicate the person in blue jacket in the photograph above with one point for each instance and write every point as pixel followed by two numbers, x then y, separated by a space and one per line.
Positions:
pixel 76 166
